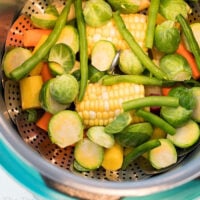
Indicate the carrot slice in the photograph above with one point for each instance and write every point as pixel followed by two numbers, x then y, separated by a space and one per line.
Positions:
pixel 46 73
pixel 33 36
pixel 165 90
pixel 191 60
pixel 43 122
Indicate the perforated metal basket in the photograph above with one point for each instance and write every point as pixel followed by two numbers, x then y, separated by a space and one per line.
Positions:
pixel 54 163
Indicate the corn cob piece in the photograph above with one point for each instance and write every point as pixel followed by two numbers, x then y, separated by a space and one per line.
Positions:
pixel 101 104
pixel 135 23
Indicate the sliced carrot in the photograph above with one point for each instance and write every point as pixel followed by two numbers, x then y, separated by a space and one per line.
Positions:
pixel 46 73
pixel 43 122
pixel 191 60
pixel 33 36
pixel 165 90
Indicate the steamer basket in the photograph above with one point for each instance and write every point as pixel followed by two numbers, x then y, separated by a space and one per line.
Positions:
pixel 54 163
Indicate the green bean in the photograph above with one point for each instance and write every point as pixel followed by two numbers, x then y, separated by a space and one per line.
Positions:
pixel 83 48
pixel 138 151
pixel 190 38
pixel 150 101
pixel 151 22
pixel 25 68
pixel 146 61
pixel 156 121
pixel 138 79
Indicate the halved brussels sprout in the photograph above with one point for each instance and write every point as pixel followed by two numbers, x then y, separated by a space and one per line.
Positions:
pixel 171 8
pixel 176 67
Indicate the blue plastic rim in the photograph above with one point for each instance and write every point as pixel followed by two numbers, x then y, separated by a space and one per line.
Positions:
pixel 32 180
pixel 27 175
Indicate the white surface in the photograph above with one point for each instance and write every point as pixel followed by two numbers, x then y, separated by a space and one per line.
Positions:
pixel 10 189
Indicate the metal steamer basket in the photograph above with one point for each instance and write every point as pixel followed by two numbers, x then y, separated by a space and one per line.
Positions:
pixel 54 164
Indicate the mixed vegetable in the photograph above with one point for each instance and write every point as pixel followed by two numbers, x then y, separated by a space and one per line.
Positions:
pixel 115 80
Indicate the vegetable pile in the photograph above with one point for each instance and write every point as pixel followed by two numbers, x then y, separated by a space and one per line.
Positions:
pixel 113 81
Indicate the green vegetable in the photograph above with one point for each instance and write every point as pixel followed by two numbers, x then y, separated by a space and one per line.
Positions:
pixel 69 35
pixel 29 64
pixel 61 59
pixel 171 8
pixel 102 55
pixel 98 135
pixel 138 79
pixel 176 67
pixel 196 109
pixel 32 115
pixel 145 60
pixel 47 101
pixel 65 128
pixel 119 123
pixel 88 154
pixel 17 54
pixel 79 168
pixel 134 135
pixel 186 135
pixel 44 20
pixel 129 63
pixel 194 47
pixel 150 101
pixel 151 22
pixel 125 6
pixel 51 9
pixel 97 12
pixel 83 48
pixel 167 37
pixel 195 27
pixel 138 151
pixel 185 95
pixel 163 155
pixel 94 74
pixel 175 116
pixel 157 121
pixel 64 88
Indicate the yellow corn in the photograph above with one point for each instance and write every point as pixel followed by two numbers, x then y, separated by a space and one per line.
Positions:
pixel 135 23
pixel 101 104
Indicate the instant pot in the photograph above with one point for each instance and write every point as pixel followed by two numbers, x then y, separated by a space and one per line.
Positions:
pixel 27 154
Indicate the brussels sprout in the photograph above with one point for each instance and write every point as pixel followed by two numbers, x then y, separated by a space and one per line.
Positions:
pixel 176 67
pixel 171 8
pixel 61 59
pixel 175 116
pixel 129 63
pixel 64 88
pixel 97 12
pixel 185 95
pixel 167 37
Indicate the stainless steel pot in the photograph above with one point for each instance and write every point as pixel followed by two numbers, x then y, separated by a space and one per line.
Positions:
pixel 53 163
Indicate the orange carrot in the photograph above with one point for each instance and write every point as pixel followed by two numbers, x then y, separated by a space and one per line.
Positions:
pixel 46 73
pixel 32 36
pixel 190 58
pixel 165 90
pixel 43 122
